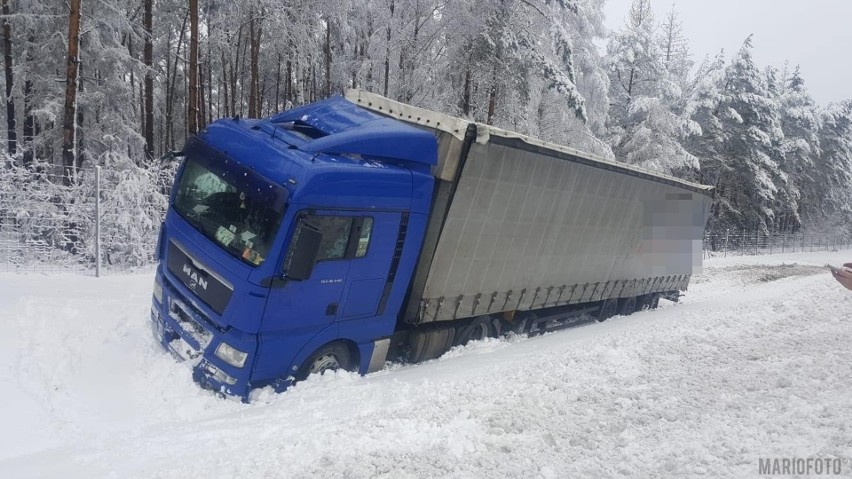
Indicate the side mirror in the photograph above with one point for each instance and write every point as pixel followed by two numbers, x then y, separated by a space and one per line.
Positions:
pixel 170 156
pixel 303 252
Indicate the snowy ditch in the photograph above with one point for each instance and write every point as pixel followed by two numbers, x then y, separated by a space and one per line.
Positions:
pixel 753 363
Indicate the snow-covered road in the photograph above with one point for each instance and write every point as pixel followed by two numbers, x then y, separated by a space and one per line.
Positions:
pixel 755 362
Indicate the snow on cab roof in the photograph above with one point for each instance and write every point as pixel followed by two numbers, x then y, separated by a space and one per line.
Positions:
pixel 457 127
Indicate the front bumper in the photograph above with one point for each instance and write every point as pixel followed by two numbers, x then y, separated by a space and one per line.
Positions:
pixel 180 330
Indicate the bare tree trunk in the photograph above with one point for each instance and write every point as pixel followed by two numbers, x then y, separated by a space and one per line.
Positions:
pixel 170 96
pixel 255 30
pixel 255 66
pixel 142 112
pixel 186 100
pixel 387 51
pixel 355 70
pixel 466 94
pixel 407 58
pixel 492 96
pixel 192 120
pixel 288 89
pixel 167 133
pixel 313 82
pixel 29 119
pixel 69 125
pixel 278 86
pixel 225 84
pixel 11 125
pixel 492 104
pixel 209 77
pixel 234 68
pixel 140 108
pixel 364 49
pixel 327 53
pixel 241 61
pixel 261 98
pixel 148 60
pixel 202 113
pixel 80 148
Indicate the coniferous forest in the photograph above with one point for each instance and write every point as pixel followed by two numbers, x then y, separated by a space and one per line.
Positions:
pixel 118 83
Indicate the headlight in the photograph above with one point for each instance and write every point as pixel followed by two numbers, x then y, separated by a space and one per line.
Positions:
pixel 230 355
pixel 158 291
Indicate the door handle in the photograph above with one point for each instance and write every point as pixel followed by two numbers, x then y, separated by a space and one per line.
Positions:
pixel 331 309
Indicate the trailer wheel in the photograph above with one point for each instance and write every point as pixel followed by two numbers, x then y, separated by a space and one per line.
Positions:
pixel 627 306
pixel 608 309
pixel 477 329
pixel 653 300
pixel 330 357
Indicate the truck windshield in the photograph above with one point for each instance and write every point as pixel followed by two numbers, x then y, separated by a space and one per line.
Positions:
pixel 233 206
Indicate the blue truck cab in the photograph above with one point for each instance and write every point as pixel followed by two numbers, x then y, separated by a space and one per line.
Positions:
pixel 289 244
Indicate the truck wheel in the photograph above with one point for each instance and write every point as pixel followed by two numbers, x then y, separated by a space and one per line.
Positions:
pixel 478 328
pixel 627 306
pixel 608 309
pixel 330 357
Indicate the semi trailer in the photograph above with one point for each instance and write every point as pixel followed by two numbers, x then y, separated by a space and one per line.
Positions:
pixel 335 234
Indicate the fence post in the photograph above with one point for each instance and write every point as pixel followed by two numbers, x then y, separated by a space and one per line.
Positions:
pixel 727 236
pixel 97 221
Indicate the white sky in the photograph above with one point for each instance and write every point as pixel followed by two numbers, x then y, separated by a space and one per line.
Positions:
pixel 815 34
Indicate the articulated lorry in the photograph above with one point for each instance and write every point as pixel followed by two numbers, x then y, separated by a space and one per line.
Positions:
pixel 335 234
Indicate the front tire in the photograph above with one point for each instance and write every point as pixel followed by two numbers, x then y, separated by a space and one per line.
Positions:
pixel 330 357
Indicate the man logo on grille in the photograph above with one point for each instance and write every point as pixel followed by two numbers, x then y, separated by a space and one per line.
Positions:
pixel 194 279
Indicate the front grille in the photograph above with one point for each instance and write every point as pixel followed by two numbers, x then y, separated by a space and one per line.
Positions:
pixel 190 321
pixel 211 289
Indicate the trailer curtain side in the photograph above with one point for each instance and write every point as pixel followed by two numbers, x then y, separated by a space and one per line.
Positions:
pixel 520 224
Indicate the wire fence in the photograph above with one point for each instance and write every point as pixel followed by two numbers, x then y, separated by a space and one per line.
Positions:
pixel 741 243
pixel 101 225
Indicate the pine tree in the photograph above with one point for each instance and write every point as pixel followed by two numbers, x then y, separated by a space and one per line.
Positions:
pixel 753 190
pixel 674 47
pixel 831 191
pixel 801 147
pixel 644 128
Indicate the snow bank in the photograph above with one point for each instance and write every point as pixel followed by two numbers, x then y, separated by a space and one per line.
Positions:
pixel 755 362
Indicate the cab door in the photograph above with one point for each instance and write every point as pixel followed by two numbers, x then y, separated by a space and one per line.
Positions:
pixel 313 302
pixel 349 278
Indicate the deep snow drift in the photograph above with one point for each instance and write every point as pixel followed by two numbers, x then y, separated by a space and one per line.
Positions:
pixel 755 362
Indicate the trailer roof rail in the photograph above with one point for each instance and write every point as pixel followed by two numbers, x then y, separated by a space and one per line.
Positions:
pixel 458 126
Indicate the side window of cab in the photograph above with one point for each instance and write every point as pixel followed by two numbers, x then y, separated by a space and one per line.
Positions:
pixel 335 235
pixel 343 237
